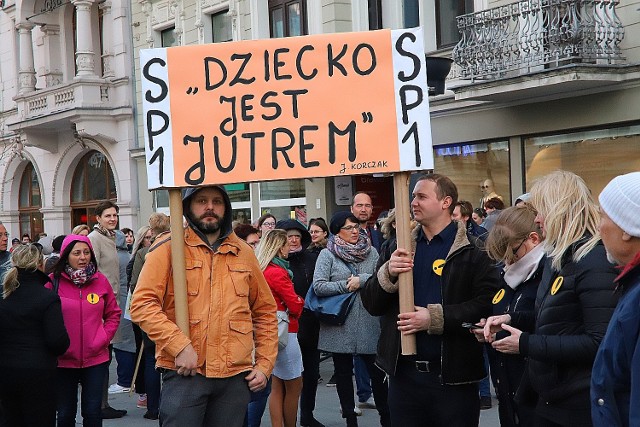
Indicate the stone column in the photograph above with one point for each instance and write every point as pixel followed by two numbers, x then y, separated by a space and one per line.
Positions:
pixel 107 42
pixel 26 70
pixel 52 72
pixel 85 60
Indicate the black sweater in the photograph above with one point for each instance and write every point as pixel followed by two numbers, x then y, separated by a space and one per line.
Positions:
pixel 32 332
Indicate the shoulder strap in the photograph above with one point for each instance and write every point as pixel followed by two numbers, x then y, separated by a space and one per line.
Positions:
pixel 349 266
pixel 56 284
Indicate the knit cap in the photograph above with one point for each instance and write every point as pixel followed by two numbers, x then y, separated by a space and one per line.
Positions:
pixel 620 200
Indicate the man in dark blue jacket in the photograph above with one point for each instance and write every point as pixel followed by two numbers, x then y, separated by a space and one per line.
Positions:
pixel 615 380
pixel 453 283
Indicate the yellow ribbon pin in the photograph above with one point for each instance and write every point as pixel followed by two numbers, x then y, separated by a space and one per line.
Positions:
pixel 556 285
pixel 93 298
pixel 438 265
pixel 498 296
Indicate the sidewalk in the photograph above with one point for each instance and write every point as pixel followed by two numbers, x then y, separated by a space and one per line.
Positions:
pixel 327 408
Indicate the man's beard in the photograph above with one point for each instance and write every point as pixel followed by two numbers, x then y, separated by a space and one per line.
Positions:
pixel 206 227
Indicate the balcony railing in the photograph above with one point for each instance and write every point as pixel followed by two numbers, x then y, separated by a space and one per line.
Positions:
pixel 534 35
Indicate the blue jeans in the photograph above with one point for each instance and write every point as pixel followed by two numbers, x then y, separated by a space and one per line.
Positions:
pixel 484 385
pixel 363 382
pixel 126 364
pixel 151 377
pixel 256 406
pixel 91 379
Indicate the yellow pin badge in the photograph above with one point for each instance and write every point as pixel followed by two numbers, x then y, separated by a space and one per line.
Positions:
pixel 498 296
pixel 556 285
pixel 93 298
pixel 438 265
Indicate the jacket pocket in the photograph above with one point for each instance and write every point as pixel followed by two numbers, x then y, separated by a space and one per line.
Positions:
pixel 98 343
pixel 241 276
pixel 240 342
pixel 194 274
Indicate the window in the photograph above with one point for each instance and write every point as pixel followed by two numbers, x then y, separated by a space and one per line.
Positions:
pixel 221 27
pixel 92 182
pixel 29 204
pixel 411 13
pixel 168 37
pixel 375 14
pixel 447 34
pixel 287 18
pixel 597 156
pixel 470 165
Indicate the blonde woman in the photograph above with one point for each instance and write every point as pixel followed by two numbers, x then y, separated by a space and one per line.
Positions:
pixel 81 230
pixel 287 373
pixel 33 335
pixel 515 241
pixel 574 303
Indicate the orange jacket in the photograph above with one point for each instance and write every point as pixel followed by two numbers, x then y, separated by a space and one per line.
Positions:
pixel 229 302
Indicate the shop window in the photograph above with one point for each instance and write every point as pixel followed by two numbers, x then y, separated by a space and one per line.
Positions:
pixel 92 182
pixel 447 34
pixel 287 18
pixel 597 156
pixel 471 165
pixel 29 204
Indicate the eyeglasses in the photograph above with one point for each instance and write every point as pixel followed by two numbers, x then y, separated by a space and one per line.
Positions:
pixel 315 231
pixel 351 227
pixel 269 224
pixel 515 251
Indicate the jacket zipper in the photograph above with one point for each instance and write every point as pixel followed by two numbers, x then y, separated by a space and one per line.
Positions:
pixel 81 331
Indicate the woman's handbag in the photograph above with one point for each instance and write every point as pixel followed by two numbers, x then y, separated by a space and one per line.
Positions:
pixel 334 309
pixel 283 329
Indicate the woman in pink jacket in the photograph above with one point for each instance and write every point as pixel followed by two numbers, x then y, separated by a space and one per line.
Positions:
pixel 287 372
pixel 91 316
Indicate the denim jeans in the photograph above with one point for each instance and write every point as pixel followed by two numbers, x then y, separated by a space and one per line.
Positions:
pixel 484 385
pixel 201 401
pixel 126 363
pixel 91 379
pixel 363 382
pixel 256 406
pixel 151 377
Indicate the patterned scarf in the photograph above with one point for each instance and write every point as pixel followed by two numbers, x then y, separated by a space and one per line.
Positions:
pixel 280 262
pixel 109 233
pixel 80 277
pixel 348 252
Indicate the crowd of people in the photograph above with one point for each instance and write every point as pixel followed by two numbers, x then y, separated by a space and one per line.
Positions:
pixel 545 293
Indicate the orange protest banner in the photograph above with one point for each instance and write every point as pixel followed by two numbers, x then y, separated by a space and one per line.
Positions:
pixel 299 107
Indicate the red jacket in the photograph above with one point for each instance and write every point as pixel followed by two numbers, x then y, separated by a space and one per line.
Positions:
pixel 282 290
pixel 91 316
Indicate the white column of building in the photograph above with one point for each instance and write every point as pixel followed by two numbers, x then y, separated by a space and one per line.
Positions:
pixel 26 70
pixel 107 42
pixel 84 55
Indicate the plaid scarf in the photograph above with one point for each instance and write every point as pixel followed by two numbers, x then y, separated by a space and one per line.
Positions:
pixel 348 252
pixel 110 234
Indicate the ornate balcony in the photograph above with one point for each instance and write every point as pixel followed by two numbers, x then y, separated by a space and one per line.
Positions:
pixel 539 37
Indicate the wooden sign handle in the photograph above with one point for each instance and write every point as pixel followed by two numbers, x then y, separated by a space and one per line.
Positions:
pixel 177 261
pixel 403 235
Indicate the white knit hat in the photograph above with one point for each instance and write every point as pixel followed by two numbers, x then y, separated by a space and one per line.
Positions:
pixel 620 200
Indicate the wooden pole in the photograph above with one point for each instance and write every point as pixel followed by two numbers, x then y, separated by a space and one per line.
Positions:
pixel 177 261
pixel 403 234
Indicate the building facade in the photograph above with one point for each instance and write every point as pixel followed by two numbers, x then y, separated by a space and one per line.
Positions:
pixel 66 116
pixel 535 86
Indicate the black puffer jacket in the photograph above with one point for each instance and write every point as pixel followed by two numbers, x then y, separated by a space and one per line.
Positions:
pixel 469 282
pixel 573 309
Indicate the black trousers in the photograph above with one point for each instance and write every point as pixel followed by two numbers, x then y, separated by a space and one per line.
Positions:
pixel 20 389
pixel 310 376
pixel 415 397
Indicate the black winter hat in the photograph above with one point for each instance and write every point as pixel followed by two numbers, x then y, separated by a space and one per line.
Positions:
pixel 339 219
